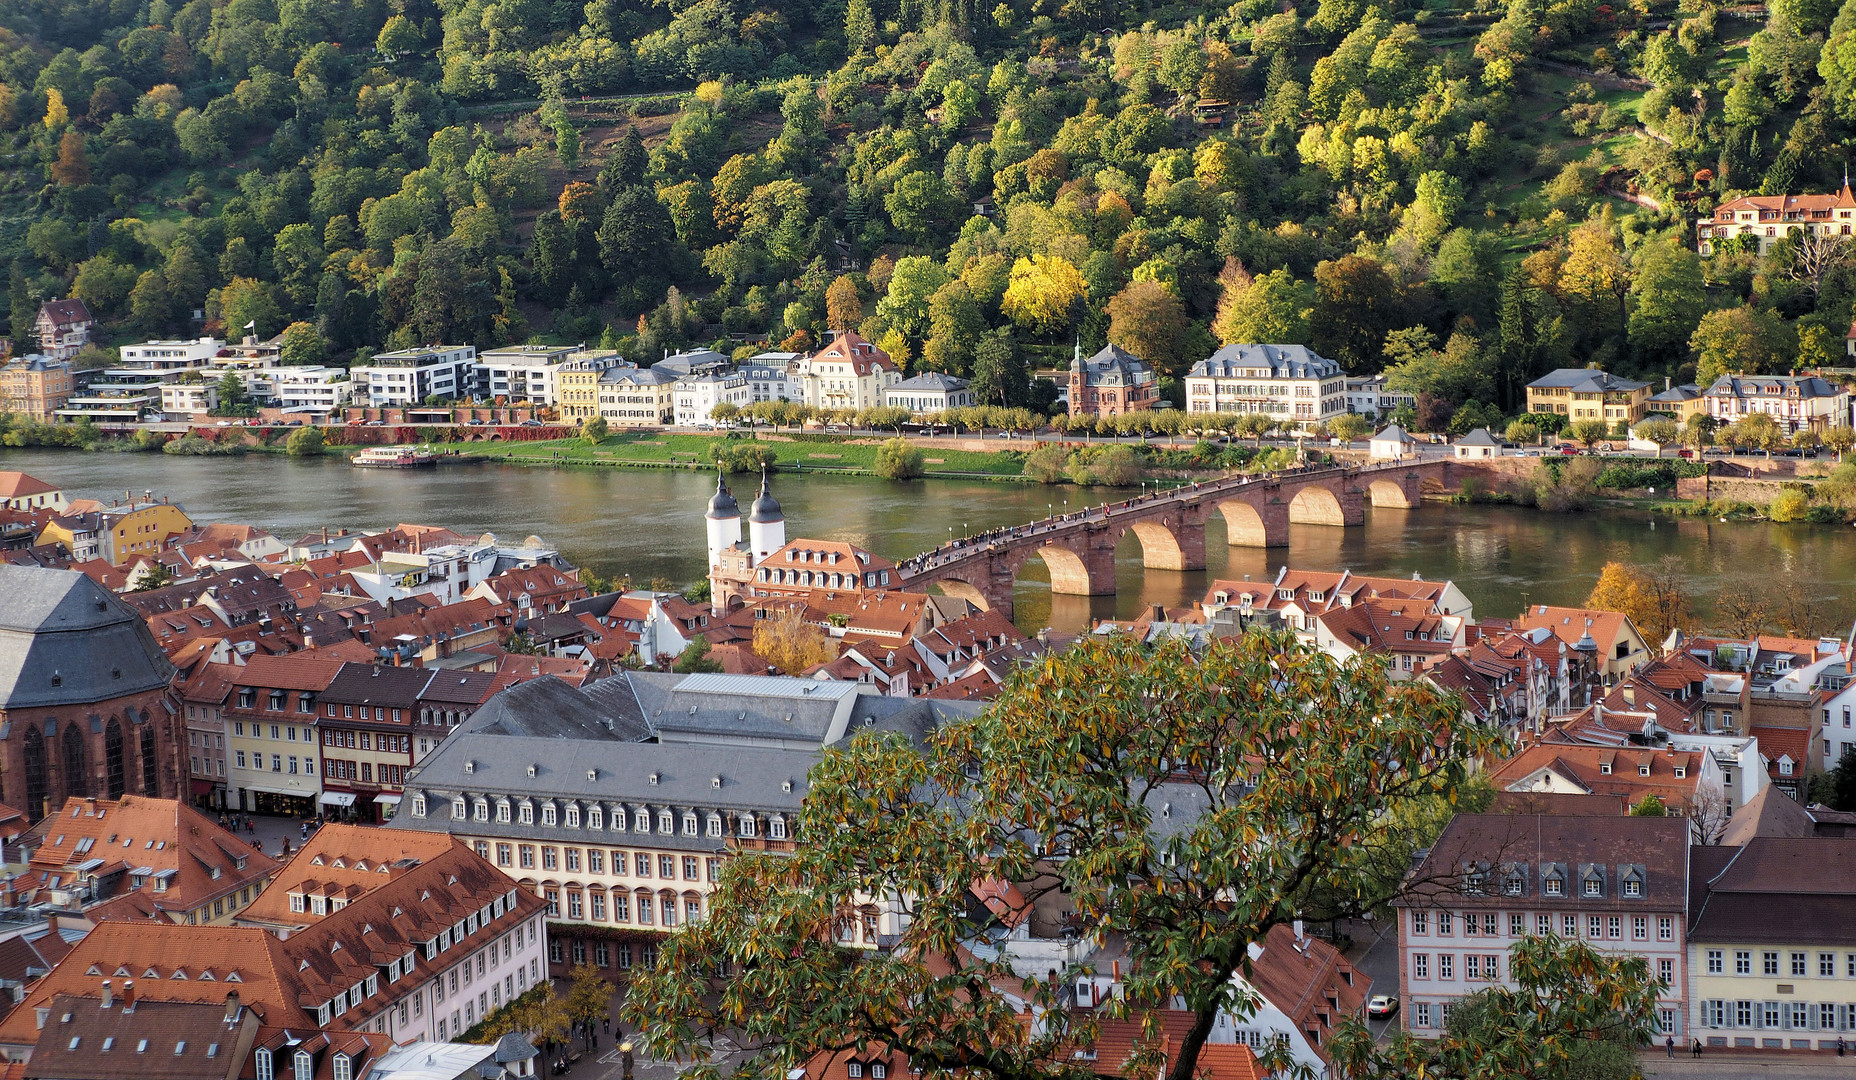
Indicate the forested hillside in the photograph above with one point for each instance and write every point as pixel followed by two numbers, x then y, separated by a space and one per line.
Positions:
pixel 1439 191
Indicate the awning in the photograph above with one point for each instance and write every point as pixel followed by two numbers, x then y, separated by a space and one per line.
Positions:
pixel 387 799
pixel 204 787
pixel 338 798
pixel 285 792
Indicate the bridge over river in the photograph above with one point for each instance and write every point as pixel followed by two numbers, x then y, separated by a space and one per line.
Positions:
pixel 1079 547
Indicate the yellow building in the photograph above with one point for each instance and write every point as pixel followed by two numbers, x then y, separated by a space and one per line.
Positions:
pixel 1589 394
pixel 637 397
pixel 138 530
pixel 577 384
pixel 1770 951
pixel 36 386
pixel 1680 402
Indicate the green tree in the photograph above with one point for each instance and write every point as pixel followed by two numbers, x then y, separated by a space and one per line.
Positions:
pixel 1743 340
pixel 302 346
pixel 1356 303
pixel 104 283
pixel 1149 320
pixel 920 204
pixel 1649 806
pixel 247 302
pixel 1588 432
pixel 305 442
pixel 1670 297
pixel 1270 310
pixel 899 459
pixel 595 430
pixel 859 25
pixel 1057 788
pixel 999 376
pixel 1842 782
pixel 955 326
pixel 589 995
pixel 151 305
pixel 694 659
pixel 398 35
pixel 1350 427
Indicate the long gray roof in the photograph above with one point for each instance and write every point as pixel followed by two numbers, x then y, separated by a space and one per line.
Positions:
pixel 549 708
pixel 65 640
pixel 1282 361
pixel 1584 381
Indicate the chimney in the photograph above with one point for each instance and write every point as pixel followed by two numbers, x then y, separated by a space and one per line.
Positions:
pixel 128 994
pixel 1630 694
pixel 1158 613
pixel 108 997
pixel 1299 936
pixel 232 1007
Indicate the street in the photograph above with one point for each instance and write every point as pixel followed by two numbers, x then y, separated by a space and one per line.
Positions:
pixel 1773 1066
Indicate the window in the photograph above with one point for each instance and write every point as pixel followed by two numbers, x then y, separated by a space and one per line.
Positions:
pixel 666 822
pixel 526 813
pixel 1420 966
pixel 1472 966
pixel 595 861
pixel 690 868
pixel 526 856
pixel 1639 928
pixel 1489 920
pixel 1743 962
pixel 1446 966
pixel 689 824
pixel 1421 924
pixel 642 864
pixel 1594 887
pixel 458 811
pixel 1798 963
pixel 1633 888
pixel 1716 964
pixel 573 858
pixel 1420 1016
pixel 1443 922
pixel 550 858
pixel 667 867
pixel 1614 926
pixel 547 814
pixel 1517 925
pixel 1666 970
pixel 572 817
pixel 1666 928
pixel 1552 886
pixel 1770 963
pixel 1543 925
pixel 715 825
pixel 1594 926
pixel 596 904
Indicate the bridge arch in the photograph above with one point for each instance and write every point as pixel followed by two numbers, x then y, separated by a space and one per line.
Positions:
pixel 1090 572
pixel 1248 526
pixel 1316 504
pixel 1170 543
pixel 961 589
pixel 1388 492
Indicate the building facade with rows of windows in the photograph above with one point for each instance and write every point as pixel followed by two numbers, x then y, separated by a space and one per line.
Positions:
pixel 618 803
pixel 1773 944
pixel 1618 883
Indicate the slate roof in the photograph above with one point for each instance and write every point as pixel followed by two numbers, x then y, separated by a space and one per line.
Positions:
pixel 1113 366
pixel 548 708
pixel 1394 434
pixel 1479 437
pixel 1658 845
pixel 1764 386
pixel 64 640
pixel 1283 362
pixel 1783 889
pixel 1584 381
pixel 934 381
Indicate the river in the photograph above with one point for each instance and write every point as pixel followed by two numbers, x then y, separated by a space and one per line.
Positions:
pixel 648 523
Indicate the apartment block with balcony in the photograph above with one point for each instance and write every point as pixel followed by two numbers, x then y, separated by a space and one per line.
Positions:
pixel 410 376
pixel 1589 394
pixel 1290 383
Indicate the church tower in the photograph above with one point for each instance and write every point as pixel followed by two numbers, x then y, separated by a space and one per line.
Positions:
pixel 724 522
pixel 766 523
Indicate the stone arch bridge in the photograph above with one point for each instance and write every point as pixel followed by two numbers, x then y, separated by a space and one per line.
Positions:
pixel 1079 547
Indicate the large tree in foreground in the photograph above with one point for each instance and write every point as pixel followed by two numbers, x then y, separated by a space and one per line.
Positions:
pixel 1183 803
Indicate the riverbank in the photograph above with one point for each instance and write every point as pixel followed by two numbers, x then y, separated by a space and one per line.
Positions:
pixel 795 452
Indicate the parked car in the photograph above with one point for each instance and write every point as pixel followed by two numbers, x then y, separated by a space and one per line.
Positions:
pixel 1382 1006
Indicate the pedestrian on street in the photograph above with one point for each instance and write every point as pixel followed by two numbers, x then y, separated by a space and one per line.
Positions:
pixel 1698 1048
pixel 1669 1044
pixel 1840 1046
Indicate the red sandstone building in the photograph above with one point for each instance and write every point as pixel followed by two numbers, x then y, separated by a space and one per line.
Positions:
pixel 1110 382
pixel 85 704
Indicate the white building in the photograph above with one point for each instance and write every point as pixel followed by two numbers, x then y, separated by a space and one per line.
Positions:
pixel 849 373
pixel 409 376
pixel 1290 383
pixel 523 372
pixel 696 396
pixel 1477 444
pixel 1392 444
pixel 929 392
pixel 1368 396
pixel 769 376
pixel 1795 402
pixel 170 358
pixel 185 400
pixel 312 388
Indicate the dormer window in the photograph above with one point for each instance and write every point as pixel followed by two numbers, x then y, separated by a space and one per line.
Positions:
pixel 1513 884
pixel 689 824
pixel 547 814
pixel 261 1060
pixel 1604 767
pixel 305 1065
pixel 1643 769
pixel 715 825
pixel 1633 888
pixel 747 825
pixel 344 1067
pixel 482 810
pixel 1594 886
pixel 777 828
pixel 572 817
pixel 458 810
pixel 1553 885
pixel 1681 772
pixel 666 823
pixel 595 818
pixel 502 811
pixel 642 821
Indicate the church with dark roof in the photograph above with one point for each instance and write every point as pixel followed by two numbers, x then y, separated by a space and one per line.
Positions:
pixel 86 707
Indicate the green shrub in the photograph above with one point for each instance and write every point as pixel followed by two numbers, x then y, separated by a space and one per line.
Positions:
pixel 899 459
pixel 1791 504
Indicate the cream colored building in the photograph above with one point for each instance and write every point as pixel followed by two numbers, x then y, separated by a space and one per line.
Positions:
pixel 576 384
pixel 1771 218
pixel 1289 383
pixel 637 397
pixel 849 373
pixel 1589 394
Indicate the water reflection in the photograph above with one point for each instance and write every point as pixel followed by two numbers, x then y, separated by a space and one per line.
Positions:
pixel 648 523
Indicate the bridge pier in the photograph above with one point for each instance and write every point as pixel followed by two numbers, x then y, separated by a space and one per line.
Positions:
pixel 1089 572
pixel 1264 524
pixel 1404 491
pixel 1175 542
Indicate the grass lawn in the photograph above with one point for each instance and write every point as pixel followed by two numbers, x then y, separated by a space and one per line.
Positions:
pixel 813 454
